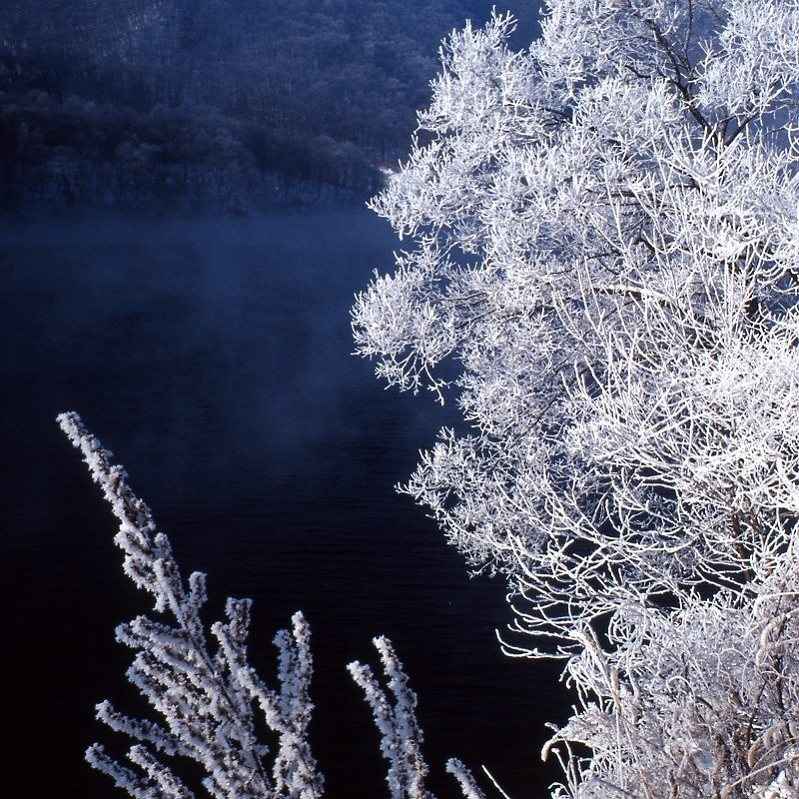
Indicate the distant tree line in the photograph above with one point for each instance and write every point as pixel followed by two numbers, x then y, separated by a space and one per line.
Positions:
pixel 135 102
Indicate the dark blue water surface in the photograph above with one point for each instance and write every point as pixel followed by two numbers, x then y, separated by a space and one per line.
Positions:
pixel 213 357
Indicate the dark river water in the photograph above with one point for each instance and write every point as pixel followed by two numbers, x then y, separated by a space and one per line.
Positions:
pixel 213 357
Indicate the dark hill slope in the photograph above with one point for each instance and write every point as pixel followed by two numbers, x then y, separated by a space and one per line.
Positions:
pixel 135 102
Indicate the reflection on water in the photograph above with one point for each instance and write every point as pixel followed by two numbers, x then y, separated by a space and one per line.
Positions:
pixel 214 357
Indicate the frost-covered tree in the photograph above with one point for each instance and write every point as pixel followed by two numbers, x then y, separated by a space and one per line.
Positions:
pixel 605 231
pixel 604 241
pixel 207 697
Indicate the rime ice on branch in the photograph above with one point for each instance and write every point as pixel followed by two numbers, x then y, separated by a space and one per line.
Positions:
pixel 401 737
pixel 206 698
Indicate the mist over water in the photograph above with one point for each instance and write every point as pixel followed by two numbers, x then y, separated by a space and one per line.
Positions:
pixel 213 356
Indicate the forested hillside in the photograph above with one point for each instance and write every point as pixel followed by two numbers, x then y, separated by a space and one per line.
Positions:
pixel 136 102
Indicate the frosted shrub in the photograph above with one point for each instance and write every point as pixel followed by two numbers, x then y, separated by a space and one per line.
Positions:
pixel 206 697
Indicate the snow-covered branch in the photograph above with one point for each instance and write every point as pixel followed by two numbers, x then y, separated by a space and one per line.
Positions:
pixel 204 697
